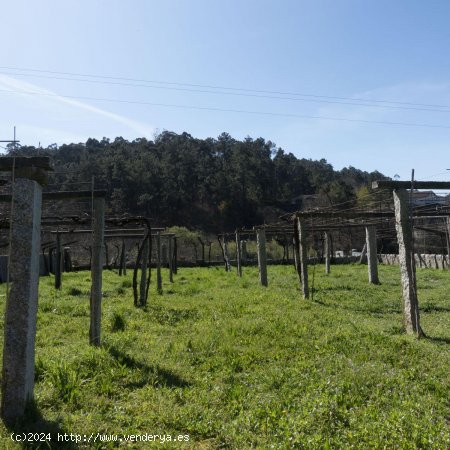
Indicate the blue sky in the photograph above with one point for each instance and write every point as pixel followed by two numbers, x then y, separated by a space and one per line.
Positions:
pixel 324 53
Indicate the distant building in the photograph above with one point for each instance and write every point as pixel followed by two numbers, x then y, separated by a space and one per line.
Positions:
pixel 427 198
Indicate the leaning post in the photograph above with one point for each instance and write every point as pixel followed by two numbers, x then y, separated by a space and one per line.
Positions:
pixel 29 175
pixel 98 229
pixel 262 256
pixel 372 261
pixel 411 316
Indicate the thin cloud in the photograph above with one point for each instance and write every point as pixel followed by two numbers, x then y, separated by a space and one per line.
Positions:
pixel 22 86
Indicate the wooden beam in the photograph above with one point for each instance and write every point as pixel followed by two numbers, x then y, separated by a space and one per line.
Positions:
pixel 389 184
pixel 7 163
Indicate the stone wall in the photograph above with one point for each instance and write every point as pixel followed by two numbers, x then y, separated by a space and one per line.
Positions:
pixel 422 260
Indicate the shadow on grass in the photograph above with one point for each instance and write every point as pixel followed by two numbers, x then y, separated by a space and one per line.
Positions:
pixel 443 340
pixel 434 308
pixel 51 433
pixel 152 374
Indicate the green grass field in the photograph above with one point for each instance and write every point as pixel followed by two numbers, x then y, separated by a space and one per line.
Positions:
pixel 238 366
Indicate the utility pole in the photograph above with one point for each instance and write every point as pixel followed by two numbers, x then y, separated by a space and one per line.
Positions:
pixel 14 141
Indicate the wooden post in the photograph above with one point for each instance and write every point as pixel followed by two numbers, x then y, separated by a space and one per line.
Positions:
pixel 238 254
pixel 143 284
pixel 98 228
pixel 262 257
pixel 158 262
pixel 327 252
pixel 362 258
pixel 404 236
pixel 22 301
pixel 58 262
pixel 170 259
pixel 303 262
pixel 372 260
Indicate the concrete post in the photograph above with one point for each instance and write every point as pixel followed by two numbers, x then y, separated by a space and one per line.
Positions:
pixel 22 301
pixel 372 260
pixel 158 262
pixel 327 252
pixel 262 257
pixel 98 229
pixel 404 236
pixel 303 262
pixel 170 259
pixel 238 254
pixel 144 264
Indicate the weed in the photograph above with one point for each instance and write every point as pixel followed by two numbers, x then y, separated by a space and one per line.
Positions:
pixel 66 381
pixel 75 292
pixel 118 322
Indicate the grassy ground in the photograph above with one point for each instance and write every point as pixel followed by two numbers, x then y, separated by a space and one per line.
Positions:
pixel 235 365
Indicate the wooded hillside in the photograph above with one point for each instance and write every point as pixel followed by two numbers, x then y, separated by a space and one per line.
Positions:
pixel 207 184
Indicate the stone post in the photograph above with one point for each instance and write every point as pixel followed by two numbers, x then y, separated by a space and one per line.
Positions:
pixel 122 265
pixel 244 255
pixel 144 264
pixel 447 234
pixel 164 258
pixel 58 262
pixel 296 252
pixel 22 301
pixel 411 316
pixel 175 255
pixel 225 254
pixel 170 259
pixel 303 262
pixel 238 254
pixel 372 261
pixel 327 252
pixel 158 263
pixel 98 229
pixel 262 257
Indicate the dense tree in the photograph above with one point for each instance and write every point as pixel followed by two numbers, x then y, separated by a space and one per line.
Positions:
pixel 208 184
